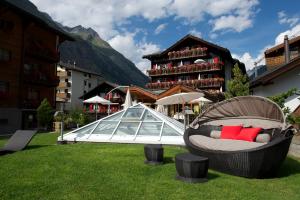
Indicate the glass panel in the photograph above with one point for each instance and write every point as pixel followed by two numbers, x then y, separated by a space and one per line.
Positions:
pixel 105 127
pixel 116 117
pixel 86 130
pixel 151 129
pixel 169 131
pixel 138 106
pixel 150 117
pixel 127 128
pixel 133 113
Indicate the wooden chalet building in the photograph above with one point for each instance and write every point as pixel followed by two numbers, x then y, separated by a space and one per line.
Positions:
pixel 191 62
pixel 29 42
pixel 283 53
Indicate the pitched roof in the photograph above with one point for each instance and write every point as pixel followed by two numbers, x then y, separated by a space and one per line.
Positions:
pixel 279 46
pixel 94 90
pixel 76 68
pixel 188 36
pixel 28 9
pixel 276 72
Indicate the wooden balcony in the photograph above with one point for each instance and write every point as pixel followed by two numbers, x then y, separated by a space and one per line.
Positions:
pixel 189 53
pixel 41 79
pixel 63 85
pixel 186 69
pixel 63 95
pixel 203 83
pixel 63 74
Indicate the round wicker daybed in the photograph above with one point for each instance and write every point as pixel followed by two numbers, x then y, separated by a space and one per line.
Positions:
pixel 250 111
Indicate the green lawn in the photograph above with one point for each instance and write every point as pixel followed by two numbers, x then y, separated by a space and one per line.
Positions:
pixel 117 171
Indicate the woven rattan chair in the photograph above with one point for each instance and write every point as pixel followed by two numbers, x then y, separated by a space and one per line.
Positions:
pixel 260 162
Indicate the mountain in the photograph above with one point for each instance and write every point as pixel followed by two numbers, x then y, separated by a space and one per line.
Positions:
pixel 91 52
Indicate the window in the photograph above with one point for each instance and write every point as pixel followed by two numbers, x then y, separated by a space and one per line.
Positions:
pixel 5 55
pixel 4 88
pixel 84 82
pixel 6 25
pixel 90 85
pixel 84 75
pixel 33 94
pixel 90 75
pixel 84 92
pixel 66 80
pixel 3 121
pixel 66 90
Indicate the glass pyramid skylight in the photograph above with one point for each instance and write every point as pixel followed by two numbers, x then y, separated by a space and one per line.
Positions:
pixel 137 124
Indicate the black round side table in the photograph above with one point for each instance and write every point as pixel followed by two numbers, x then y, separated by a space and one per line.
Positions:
pixel 191 168
pixel 154 154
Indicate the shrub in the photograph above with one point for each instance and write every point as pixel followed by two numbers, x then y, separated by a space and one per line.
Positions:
pixel 44 114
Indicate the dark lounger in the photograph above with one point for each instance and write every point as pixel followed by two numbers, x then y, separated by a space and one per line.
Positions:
pixel 259 162
pixel 18 141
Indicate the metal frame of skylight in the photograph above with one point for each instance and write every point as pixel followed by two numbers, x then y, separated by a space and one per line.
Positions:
pixel 162 119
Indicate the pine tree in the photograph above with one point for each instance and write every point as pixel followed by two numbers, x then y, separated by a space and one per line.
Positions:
pixel 44 114
pixel 239 85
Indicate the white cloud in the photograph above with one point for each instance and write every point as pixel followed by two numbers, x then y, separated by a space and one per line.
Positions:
pixel 126 45
pixel 104 16
pixel 295 31
pixel 284 19
pixel 160 28
pixel 249 60
pixel 108 18
pixel 231 22
pixel 196 33
pixel 235 15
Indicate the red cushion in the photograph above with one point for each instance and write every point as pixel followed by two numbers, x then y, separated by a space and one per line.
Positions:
pixel 230 132
pixel 248 134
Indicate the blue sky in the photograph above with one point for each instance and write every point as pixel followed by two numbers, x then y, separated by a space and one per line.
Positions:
pixel 137 27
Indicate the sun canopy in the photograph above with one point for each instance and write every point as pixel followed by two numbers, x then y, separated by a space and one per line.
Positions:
pixel 201 100
pixel 246 110
pixel 136 124
pixel 97 99
pixel 179 98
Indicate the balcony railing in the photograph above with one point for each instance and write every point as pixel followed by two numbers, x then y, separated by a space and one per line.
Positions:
pixel 63 74
pixel 63 95
pixel 203 83
pixel 203 67
pixel 40 79
pixel 187 53
pixel 64 84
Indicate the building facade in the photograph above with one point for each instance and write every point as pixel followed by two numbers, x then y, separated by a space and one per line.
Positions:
pixel 74 82
pixel 192 62
pixel 28 55
pixel 283 72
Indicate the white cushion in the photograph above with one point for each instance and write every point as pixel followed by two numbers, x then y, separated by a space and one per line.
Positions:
pixel 263 138
pixel 215 134
pixel 222 144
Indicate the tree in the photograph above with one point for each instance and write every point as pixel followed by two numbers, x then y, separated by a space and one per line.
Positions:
pixel 44 114
pixel 239 85
pixel 78 117
pixel 280 100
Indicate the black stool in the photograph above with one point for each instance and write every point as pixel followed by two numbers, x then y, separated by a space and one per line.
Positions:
pixel 154 154
pixel 191 168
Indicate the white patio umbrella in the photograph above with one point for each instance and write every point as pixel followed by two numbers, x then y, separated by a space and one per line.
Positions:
pixel 180 98
pixel 201 100
pixel 97 100
pixel 128 100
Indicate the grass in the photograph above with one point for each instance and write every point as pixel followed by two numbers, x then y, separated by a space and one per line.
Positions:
pixel 117 171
